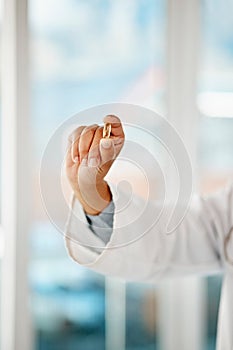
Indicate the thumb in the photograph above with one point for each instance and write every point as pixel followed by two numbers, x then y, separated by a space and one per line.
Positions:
pixel 107 150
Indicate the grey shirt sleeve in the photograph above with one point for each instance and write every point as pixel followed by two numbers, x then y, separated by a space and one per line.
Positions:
pixel 102 225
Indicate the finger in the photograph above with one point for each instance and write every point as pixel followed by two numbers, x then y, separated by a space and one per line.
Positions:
pixel 116 126
pixel 72 155
pixel 107 151
pixel 94 154
pixel 85 140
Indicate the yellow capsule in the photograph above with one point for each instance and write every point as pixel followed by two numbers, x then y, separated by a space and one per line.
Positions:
pixel 107 130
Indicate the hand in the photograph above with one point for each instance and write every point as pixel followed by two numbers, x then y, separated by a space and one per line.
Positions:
pixel 88 160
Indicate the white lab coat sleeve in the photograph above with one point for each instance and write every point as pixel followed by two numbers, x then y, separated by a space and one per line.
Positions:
pixel 138 252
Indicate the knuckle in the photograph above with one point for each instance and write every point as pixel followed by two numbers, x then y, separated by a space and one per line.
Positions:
pixel 89 128
pixel 76 133
pixel 80 128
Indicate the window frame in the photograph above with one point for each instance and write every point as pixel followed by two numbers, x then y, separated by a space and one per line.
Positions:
pixel 15 185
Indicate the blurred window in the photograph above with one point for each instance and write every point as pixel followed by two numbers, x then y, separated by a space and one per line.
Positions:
pixel 215 102
pixel 215 95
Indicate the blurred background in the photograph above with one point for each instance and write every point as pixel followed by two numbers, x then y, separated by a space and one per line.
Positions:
pixel 88 52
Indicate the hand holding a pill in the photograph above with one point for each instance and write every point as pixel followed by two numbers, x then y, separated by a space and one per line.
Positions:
pixel 91 152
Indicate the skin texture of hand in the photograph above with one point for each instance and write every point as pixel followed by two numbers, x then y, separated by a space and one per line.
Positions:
pixel 88 160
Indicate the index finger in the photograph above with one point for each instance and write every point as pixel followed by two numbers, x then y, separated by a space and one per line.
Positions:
pixel 116 125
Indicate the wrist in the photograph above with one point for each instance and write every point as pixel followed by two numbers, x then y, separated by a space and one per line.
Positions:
pixel 95 198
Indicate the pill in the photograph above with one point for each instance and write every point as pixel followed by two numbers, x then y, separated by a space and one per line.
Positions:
pixel 107 130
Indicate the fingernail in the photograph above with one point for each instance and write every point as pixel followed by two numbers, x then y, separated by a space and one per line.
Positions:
pixel 76 160
pixel 92 162
pixel 106 143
